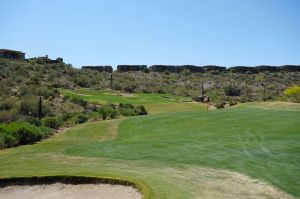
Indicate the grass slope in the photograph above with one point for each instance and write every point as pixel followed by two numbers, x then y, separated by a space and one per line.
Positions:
pixel 182 155
pixel 154 103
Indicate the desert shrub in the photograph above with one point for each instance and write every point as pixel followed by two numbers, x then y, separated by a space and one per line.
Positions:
pixel 127 109
pixel 114 114
pixel 293 93
pixel 52 122
pixel 244 99
pixel 28 134
pixel 2 141
pixel 45 92
pixel 220 104
pixel 9 115
pixel 66 116
pixel 29 106
pixel 46 132
pixel 232 102
pixel 78 101
pixel 33 120
pixel 9 103
pixel 5 88
pixel 129 88
pixel 161 90
pixel 94 116
pixel 82 81
pixel 81 118
pixel 140 110
pixel 9 109
pixel 6 139
pixel 126 105
pixel 69 119
pixel 128 112
pixel 185 72
pixel 131 110
pixel 24 90
pixel 106 111
pixel 232 91
pixel 183 91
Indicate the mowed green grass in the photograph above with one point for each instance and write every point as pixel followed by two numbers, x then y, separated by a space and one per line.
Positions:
pixel 178 155
pixel 154 103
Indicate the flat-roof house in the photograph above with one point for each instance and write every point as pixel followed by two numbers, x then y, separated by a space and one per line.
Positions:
pixel 11 54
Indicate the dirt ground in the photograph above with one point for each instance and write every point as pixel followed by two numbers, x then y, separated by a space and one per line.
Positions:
pixel 69 191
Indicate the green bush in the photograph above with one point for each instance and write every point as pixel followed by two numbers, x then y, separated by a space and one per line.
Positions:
pixel 6 139
pixel 220 104
pixel 46 132
pixel 106 111
pixel 131 110
pixel 126 109
pixel 66 116
pixel 293 93
pixel 232 102
pixel 114 114
pixel 69 119
pixel 80 118
pixel 19 133
pixel 130 106
pixel 33 120
pixel 79 101
pixel 140 110
pixel 52 122
pixel 128 112
pixel 2 141
pixel 94 116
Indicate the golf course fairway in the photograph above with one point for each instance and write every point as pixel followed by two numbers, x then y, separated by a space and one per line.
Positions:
pixel 248 151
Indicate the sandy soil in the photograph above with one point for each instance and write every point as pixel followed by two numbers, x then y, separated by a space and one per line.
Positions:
pixel 69 191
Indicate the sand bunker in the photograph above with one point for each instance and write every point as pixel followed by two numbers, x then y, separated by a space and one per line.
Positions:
pixel 69 191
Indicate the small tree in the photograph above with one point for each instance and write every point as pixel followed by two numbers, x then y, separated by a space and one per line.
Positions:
pixel 293 93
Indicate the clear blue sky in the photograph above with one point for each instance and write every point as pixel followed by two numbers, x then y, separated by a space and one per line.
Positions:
pixel 96 32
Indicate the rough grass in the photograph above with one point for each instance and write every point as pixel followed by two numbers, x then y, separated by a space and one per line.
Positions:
pixel 272 106
pixel 154 103
pixel 177 155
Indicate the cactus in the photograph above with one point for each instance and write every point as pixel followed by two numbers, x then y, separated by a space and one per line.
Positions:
pixel 40 107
